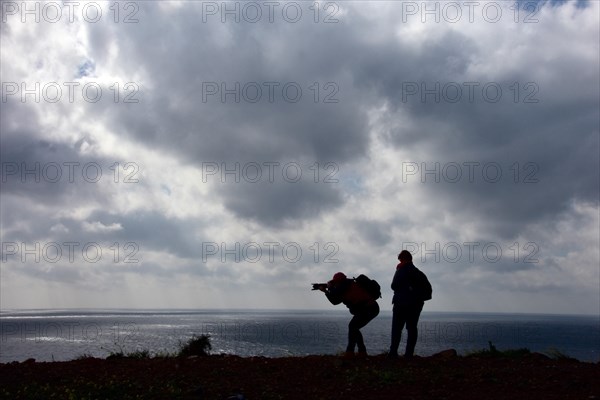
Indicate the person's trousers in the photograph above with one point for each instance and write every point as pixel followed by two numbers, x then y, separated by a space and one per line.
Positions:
pixel 361 318
pixel 405 314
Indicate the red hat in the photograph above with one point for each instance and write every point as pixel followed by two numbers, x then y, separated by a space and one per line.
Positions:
pixel 339 276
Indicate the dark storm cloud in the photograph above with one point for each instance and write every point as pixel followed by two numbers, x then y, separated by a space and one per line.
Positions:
pixel 280 204
pixel 559 135
pixel 375 233
pixel 174 116
pixel 150 231
pixel 156 232
pixel 49 171
pixel 127 244
pixel 527 164
pixel 44 178
pixel 554 140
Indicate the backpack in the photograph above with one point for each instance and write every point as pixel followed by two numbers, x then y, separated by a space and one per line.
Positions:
pixel 370 285
pixel 421 285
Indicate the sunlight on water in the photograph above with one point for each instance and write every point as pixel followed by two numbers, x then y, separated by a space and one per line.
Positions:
pixel 64 335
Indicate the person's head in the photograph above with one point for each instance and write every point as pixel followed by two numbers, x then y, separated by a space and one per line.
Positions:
pixel 338 278
pixel 405 256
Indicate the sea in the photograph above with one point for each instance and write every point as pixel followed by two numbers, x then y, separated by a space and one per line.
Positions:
pixel 62 335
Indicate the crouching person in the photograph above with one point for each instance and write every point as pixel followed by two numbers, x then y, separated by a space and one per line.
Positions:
pixel 362 305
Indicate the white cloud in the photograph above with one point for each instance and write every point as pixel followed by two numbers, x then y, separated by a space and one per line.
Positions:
pixel 98 226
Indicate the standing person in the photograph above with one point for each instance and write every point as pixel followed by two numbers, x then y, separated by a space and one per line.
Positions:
pixel 408 303
pixel 361 304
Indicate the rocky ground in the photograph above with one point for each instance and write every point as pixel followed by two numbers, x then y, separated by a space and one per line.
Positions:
pixel 443 376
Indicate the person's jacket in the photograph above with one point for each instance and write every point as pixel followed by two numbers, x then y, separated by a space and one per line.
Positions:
pixel 402 286
pixel 350 293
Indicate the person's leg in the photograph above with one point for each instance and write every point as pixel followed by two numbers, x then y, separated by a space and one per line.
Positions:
pixel 367 315
pixel 411 327
pixel 360 343
pixel 398 321
pixel 362 318
pixel 353 332
pixel 372 313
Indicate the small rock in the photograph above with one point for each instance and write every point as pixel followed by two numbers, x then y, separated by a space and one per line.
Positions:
pixel 446 354
pixel 238 396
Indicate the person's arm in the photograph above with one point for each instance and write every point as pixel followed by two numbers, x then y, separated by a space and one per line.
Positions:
pixel 333 298
pixel 397 280
pixel 335 293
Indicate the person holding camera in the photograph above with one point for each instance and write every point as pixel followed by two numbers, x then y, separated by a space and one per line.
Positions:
pixel 362 305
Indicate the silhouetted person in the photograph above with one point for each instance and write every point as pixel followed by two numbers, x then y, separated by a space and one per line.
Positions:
pixel 407 306
pixel 361 305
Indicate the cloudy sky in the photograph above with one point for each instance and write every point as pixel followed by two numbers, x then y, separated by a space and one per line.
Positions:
pixel 192 154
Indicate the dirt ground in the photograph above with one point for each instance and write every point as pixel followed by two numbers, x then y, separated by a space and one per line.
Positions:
pixel 443 376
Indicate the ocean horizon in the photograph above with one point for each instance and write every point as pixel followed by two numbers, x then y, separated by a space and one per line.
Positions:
pixel 66 334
